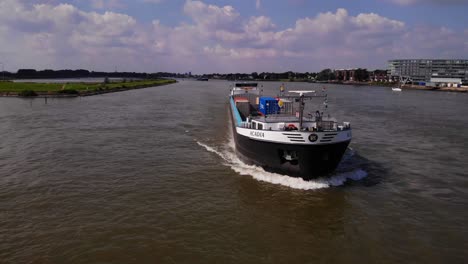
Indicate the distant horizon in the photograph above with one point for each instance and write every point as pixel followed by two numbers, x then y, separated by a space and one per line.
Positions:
pixel 227 36
pixel 224 73
pixel 181 73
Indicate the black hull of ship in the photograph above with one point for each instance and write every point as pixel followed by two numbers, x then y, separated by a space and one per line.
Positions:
pixel 312 160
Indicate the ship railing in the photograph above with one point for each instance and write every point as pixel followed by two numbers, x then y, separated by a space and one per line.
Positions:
pixel 308 125
pixel 245 124
pixel 327 125
pixel 289 118
pixel 321 126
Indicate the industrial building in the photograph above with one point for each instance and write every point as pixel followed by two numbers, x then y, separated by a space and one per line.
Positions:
pixel 445 72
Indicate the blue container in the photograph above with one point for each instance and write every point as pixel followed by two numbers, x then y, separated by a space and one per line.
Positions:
pixel 268 105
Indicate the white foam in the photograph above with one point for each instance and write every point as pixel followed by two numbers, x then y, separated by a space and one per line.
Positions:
pixel 210 149
pixel 227 153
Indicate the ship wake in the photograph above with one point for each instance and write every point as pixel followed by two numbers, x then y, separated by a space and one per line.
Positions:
pixel 227 153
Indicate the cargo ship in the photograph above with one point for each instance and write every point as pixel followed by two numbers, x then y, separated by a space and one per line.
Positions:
pixel 286 134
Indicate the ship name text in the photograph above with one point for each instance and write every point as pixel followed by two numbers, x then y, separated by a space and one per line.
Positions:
pixel 257 134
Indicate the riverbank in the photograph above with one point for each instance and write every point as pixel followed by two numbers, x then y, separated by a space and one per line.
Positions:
pixel 404 87
pixel 16 89
pixel 430 88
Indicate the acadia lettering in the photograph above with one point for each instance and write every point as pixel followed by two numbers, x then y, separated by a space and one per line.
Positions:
pixel 257 134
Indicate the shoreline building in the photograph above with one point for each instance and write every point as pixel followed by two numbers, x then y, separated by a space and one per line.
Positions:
pixel 378 76
pixel 345 74
pixel 435 71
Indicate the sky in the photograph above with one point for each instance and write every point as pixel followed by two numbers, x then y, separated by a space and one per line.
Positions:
pixel 228 36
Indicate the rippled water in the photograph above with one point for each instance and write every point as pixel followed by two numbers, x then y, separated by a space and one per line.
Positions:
pixel 149 176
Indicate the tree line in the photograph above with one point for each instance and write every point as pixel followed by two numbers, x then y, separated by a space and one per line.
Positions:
pixel 324 75
pixel 51 74
pixel 359 75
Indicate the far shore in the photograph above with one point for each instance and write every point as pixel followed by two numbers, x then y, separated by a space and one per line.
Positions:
pixel 463 89
pixel 431 88
pixel 66 90
pixel 405 87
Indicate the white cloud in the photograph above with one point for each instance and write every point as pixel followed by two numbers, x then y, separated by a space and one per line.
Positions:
pixel 375 22
pixel 63 35
pixel 324 22
pixel 259 24
pixel 211 16
pixel 218 39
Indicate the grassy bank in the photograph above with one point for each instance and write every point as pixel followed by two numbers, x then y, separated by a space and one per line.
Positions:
pixel 74 89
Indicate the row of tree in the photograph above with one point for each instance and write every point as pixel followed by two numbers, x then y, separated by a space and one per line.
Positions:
pixel 324 75
pixel 50 74
pixel 261 76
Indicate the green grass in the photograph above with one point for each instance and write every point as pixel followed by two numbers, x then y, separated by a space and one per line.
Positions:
pixel 37 87
pixel 56 87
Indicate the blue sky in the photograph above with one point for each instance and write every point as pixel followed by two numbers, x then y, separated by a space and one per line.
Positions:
pixel 228 36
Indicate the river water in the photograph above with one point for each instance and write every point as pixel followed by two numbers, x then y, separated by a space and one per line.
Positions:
pixel 150 176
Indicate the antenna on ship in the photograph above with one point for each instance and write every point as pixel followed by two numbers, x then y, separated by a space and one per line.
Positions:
pixel 301 105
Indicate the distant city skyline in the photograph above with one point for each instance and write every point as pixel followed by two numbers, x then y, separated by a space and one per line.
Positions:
pixel 228 36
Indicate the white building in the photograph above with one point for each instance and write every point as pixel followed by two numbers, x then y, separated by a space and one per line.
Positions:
pixel 422 70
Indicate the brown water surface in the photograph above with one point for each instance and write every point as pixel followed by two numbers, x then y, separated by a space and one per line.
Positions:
pixel 149 176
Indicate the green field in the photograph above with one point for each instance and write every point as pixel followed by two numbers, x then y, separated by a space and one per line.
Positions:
pixel 12 87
